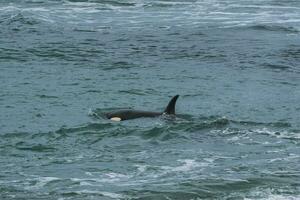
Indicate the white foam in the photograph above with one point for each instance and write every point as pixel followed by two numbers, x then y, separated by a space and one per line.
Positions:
pixel 85 183
pixel 262 6
pixel 276 197
pixel 281 134
pixel 112 195
pixel 141 168
pixel 210 160
pixel 101 179
pixel 88 7
pixel 89 173
pixel 268 194
pixel 107 194
pixel 172 3
pixel 41 182
pixel 116 176
pixel 85 179
pixel 290 157
pixel 9 8
pixel 234 138
pixel 188 165
pixel 221 14
pixel 37 9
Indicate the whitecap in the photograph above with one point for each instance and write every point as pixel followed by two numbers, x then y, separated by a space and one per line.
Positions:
pixel 188 165
pixel 89 173
pixel 102 178
pixel 9 8
pixel 274 197
pixel 107 194
pixel 41 182
pixel 288 158
pixel 278 134
pixel 141 168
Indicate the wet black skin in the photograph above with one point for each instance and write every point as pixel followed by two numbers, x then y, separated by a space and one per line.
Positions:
pixel 133 114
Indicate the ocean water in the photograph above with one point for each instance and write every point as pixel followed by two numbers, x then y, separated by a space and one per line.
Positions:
pixel 234 63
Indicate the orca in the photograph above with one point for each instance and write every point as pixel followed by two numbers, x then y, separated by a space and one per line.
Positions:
pixel 126 114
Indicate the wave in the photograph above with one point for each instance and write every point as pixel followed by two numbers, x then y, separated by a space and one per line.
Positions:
pixel 164 156
pixel 293 53
pixel 293 135
pixel 111 195
pixel 20 19
pixel 279 67
pixel 183 124
pixel 266 124
pixel 161 128
pixel 36 148
pixel 274 27
pixel 110 2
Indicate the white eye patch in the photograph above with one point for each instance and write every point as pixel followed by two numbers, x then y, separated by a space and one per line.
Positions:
pixel 117 119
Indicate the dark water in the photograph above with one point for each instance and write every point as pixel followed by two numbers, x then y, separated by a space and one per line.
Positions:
pixel 235 64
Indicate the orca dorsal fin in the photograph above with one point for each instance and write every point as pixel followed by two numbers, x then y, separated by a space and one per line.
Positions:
pixel 170 109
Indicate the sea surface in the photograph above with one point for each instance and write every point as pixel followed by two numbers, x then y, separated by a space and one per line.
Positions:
pixel 234 63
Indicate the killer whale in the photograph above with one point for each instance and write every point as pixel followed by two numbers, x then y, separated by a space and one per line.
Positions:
pixel 127 114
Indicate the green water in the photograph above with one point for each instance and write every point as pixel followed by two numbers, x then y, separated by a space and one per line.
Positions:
pixel 235 65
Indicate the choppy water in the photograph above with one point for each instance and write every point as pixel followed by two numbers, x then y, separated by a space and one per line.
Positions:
pixel 235 64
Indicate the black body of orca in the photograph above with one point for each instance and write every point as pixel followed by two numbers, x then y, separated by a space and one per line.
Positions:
pixel 132 114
